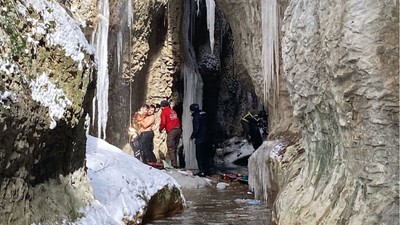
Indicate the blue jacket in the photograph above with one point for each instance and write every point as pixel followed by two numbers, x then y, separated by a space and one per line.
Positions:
pixel 200 130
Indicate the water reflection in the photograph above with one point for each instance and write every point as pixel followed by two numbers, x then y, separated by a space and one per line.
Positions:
pixel 218 207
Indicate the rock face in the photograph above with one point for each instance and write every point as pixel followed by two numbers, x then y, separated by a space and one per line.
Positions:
pixel 244 18
pixel 341 66
pixel 338 96
pixel 166 202
pixel 45 86
pixel 151 69
pixel 146 72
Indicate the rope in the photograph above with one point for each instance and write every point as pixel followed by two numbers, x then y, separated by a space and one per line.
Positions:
pixel 130 78
pixel 130 104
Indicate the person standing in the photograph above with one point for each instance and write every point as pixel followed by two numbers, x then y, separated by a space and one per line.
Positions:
pixel 147 135
pixel 200 134
pixel 136 141
pixel 250 123
pixel 172 125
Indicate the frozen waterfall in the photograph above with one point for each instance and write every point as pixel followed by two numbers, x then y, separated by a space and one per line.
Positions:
pixel 193 91
pixel 99 40
pixel 210 4
pixel 270 46
pixel 193 85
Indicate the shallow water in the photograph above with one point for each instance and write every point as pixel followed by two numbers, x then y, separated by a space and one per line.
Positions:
pixel 218 207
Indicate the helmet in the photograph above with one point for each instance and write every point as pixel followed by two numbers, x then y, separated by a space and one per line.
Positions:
pixel 194 107
pixel 164 103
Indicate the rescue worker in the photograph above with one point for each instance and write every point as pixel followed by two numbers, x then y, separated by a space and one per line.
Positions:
pixel 200 134
pixel 250 127
pixel 170 122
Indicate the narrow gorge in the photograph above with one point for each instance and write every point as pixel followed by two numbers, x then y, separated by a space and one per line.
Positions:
pixel 326 72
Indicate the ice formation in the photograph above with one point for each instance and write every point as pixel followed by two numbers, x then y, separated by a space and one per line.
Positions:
pixel 193 87
pixel 270 46
pixel 210 4
pixel 100 40
pixel 260 176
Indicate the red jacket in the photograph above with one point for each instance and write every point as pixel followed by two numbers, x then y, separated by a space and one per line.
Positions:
pixel 169 119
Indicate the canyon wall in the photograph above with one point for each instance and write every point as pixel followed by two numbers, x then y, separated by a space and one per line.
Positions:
pixel 341 60
pixel 340 63
pixel 46 87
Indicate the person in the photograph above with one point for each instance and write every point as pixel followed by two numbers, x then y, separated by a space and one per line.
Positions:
pixel 181 154
pixel 250 127
pixel 200 134
pixel 147 135
pixel 170 122
pixel 134 132
pixel 263 115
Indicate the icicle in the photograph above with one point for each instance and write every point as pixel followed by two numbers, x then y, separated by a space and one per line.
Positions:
pixel 210 4
pixel 119 49
pixel 198 7
pixel 100 39
pixel 94 110
pixel 270 46
pixel 130 14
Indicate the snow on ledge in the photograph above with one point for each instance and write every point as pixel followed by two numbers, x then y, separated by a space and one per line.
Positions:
pixel 275 150
pixel 66 33
pixel 122 185
pixel 49 96
pixel 6 98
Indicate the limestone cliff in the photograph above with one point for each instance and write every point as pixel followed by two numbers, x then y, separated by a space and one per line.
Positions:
pixel 45 87
pixel 334 114
pixel 244 18
pixel 144 61
pixel 46 94
pixel 150 70
pixel 341 60
pixel 340 67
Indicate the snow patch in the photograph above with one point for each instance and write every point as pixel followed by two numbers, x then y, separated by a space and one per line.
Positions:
pixel 275 151
pixel 7 97
pixel 221 185
pixel 8 68
pixel 49 96
pixel 239 151
pixel 67 33
pixel 232 150
pixel 122 185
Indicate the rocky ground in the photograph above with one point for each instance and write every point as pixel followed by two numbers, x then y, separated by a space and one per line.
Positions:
pixel 189 181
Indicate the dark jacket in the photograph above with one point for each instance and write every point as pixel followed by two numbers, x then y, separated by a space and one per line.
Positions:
pixel 250 125
pixel 200 130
